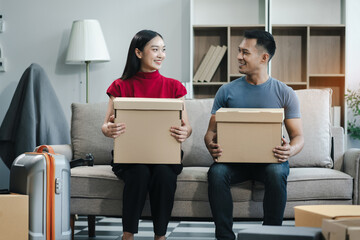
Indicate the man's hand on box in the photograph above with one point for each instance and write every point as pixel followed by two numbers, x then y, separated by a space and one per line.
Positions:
pixel 114 130
pixel 214 148
pixel 180 133
pixel 282 153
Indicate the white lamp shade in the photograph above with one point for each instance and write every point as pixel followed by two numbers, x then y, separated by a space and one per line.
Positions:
pixel 86 43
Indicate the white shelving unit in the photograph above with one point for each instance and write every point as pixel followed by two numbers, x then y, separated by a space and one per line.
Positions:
pixel 310 55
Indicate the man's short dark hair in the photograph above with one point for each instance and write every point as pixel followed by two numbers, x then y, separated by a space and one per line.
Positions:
pixel 263 39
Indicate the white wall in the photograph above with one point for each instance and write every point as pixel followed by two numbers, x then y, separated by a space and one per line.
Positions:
pixel 38 31
pixel 352 54
pixel 352 69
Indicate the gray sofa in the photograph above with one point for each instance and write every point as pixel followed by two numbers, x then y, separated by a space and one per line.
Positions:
pixel 323 173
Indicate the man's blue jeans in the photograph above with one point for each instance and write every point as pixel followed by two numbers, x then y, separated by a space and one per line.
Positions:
pixel 222 175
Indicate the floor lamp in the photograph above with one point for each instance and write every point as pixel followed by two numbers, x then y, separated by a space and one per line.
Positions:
pixel 86 45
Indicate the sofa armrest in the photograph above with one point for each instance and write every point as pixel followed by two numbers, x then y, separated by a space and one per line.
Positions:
pixel 351 167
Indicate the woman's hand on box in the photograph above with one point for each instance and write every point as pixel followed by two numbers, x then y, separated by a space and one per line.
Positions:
pixel 109 127
pixel 114 130
pixel 180 133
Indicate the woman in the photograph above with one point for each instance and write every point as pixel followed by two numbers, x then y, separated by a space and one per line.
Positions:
pixel 141 78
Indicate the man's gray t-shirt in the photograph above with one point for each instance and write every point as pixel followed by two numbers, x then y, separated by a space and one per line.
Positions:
pixel 271 94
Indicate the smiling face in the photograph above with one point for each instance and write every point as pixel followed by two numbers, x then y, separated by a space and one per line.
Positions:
pixel 251 57
pixel 152 56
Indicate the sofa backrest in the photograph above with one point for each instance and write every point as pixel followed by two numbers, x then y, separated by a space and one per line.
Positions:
pixel 315 105
pixel 195 151
pixel 86 134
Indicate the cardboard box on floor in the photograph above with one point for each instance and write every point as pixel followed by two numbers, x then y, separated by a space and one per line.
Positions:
pixel 147 136
pixel 14 216
pixel 249 134
pixel 346 229
pixel 313 215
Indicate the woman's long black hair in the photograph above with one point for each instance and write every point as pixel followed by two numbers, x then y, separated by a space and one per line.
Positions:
pixel 133 62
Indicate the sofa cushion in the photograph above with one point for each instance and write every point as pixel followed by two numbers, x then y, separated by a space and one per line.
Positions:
pixel 95 182
pixel 315 107
pixel 192 185
pixel 313 184
pixel 100 182
pixel 303 184
pixel 86 134
pixel 195 151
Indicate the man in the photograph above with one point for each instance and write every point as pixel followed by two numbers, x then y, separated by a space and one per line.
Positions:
pixel 254 90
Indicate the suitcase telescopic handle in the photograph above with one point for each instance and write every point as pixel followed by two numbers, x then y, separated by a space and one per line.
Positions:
pixel 50 190
pixel 47 147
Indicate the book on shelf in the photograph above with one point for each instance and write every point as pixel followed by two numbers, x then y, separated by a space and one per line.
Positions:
pixel 203 63
pixel 215 63
pixel 209 64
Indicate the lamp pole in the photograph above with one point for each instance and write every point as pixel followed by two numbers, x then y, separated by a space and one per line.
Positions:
pixel 87 81
pixel 86 44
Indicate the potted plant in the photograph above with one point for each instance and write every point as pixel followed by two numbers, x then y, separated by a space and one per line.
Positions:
pixel 352 98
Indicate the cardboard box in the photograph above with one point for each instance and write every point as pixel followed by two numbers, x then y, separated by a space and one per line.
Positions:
pixel 249 135
pixel 14 216
pixel 347 229
pixel 313 215
pixel 147 138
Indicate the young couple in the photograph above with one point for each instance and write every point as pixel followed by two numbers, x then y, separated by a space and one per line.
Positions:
pixel 141 78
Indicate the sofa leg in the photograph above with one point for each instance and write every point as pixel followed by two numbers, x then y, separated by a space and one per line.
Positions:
pixel 72 225
pixel 91 225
